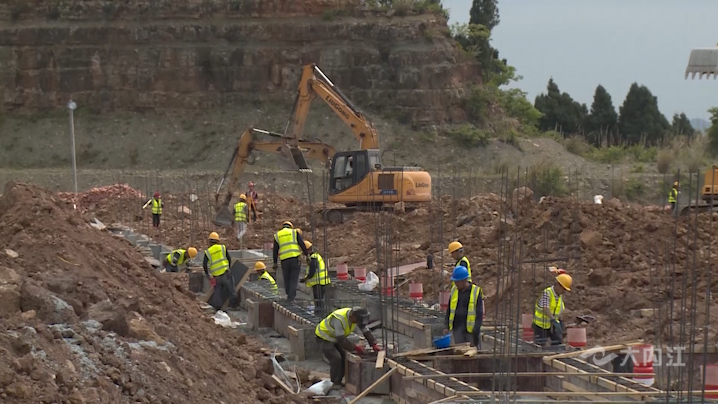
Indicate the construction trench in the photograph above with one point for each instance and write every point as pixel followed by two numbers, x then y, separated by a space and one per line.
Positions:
pixel 506 368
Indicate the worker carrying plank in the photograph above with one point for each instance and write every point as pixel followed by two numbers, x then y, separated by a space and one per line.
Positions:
pixel 216 266
pixel 466 309
pixel 288 246
pixel 317 276
pixel 456 249
pixel 332 333
pixel 178 258
pixel 264 275
pixel 547 324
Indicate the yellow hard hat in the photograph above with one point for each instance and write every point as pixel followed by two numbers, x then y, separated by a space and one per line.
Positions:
pixel 299 231
pixel 259 265
pixel 192 252
pixel 214 236
pixel 675 184
pixel 288 223
pixel 565 280
pixel 307 244
pixel 242 196
pixel 455 245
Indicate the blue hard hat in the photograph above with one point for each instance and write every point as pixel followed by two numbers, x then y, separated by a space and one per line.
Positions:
pixel 460 273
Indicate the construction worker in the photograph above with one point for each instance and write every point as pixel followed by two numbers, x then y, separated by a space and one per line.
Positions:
pixel 456 250
pixel 466 309
pixel 216 266
pixel 241 213
pixel 547 324
pixel 260 267
pixel 317 276
pixel 157 206
pixel 179 257
pixel 332 333
pixel 253 198
pixel 288 246
pixel 673 197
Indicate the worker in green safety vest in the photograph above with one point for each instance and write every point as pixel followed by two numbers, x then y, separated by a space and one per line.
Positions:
pixel 466 309
pixel 673 197
pixel 547 324
pixel 317 276
pixel 264 275
pixel 216 266
pixel 177 258
pixel 288 246
pixel 241 215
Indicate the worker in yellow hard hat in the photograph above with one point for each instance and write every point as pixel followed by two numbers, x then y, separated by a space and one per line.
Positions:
pixel 216 266
pixel 317 276
pixel 288 246
pixel 241 216
pixel 547 324
pixel 673 197
pixel 456 249
pixel 264 275
pixel 177 258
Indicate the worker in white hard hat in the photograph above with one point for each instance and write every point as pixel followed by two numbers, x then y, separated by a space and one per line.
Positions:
pixel 288 246
pixel 216 266
pixel 466 309
pixel 673 197
pixel 547 324
pixel 456 249
pixel 264 275
pixel 241 216
pixel 317 276
pixel 178 258
pixel 332 333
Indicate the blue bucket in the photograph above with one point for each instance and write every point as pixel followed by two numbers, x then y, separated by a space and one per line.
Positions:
pixel 443 342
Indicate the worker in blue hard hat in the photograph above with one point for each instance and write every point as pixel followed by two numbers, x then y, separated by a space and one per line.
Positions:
pixel 466 309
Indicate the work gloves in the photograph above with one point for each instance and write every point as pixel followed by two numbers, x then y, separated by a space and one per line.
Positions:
pixel 213 282
pixel 359 349
pixel 274 266
pixel 302 280
pixel 376 347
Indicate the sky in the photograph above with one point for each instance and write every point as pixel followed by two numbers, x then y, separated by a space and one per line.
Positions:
pixel 583 43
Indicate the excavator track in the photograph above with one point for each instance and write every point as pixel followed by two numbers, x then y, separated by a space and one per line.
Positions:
pixel 701 208
pixel 339 215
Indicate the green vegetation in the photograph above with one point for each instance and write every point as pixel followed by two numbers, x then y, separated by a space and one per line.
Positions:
pixel 469 136
pixel 546 178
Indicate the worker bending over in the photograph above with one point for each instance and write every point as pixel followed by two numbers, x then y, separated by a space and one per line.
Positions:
pixel 288 246
pixel 179 257
pixel 456 250
pixel 317 276
pixel 332 333
pixel 216 266
pixel 264 275
pixel 241 214
pixel 466 309
pixel 547 322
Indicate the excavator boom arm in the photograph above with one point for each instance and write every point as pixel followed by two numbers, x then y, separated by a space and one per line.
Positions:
pixel 314 83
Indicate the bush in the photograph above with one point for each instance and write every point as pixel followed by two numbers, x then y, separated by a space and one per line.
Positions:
pixel 635 189
pixel 608 155
pixel 402 7
pixel 469 136
pixel 577 145
pixel 664 161
pixel 477 104
pixel 642 154
pixel 546 178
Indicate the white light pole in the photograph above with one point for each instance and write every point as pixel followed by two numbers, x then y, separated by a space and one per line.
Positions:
pixel 72 106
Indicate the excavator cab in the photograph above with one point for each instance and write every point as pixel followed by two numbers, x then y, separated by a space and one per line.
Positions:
pixel 350 168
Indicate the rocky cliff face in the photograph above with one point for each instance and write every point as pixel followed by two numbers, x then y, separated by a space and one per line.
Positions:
pixel 200 54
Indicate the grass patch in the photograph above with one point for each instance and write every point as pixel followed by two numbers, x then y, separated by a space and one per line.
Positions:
pixel 546 178
pixel 469 136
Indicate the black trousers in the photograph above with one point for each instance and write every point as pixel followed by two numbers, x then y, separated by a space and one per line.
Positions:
pixel 541 335
pixel 225 288
pixel 169 267
pixel 336 357
pixel 290 272
pixel 318 292
pixel 155 220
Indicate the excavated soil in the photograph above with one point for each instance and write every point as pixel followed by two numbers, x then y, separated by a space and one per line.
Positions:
pixel 623 258
pixel 84 318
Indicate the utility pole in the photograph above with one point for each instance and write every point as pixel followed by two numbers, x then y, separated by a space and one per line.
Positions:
pixel 72 106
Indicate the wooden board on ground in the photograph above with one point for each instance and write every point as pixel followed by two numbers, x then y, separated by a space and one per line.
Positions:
pixel 380 360
pixel 240 273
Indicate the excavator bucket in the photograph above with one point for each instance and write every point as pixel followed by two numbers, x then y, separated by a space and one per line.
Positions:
pixel 703 62
pixel 223 217
pixel 292 159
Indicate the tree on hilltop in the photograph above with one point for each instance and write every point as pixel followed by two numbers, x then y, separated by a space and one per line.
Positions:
pixel 681 126
pixel 639 118
pixel 560 112
pixel 485 12
pixel 602 121
pixel 713 132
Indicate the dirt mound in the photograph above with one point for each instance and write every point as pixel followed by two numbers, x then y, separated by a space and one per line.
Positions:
pixel 86 319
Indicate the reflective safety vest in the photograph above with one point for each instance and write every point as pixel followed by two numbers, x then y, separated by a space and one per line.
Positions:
pixel 321 275
pixel 468 267
pixel 267 276
pixel 325 330
pixel 180 260
pixel 156 206
pixel 476 296
pixel 672 195
pixel 288 245
pixel 239 213
pixel 217 259
pixel 556 306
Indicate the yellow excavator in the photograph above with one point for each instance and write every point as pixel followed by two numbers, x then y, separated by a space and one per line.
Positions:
pixel 704 62
pixel 357 179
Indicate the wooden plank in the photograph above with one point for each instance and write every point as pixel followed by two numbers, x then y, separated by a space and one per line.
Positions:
pixel 592 351
pixel 380 360
pixel 282 385
pixel 471 352
pixel 523 374
pixel 572 387
pixel 372 386
pixel 422 351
